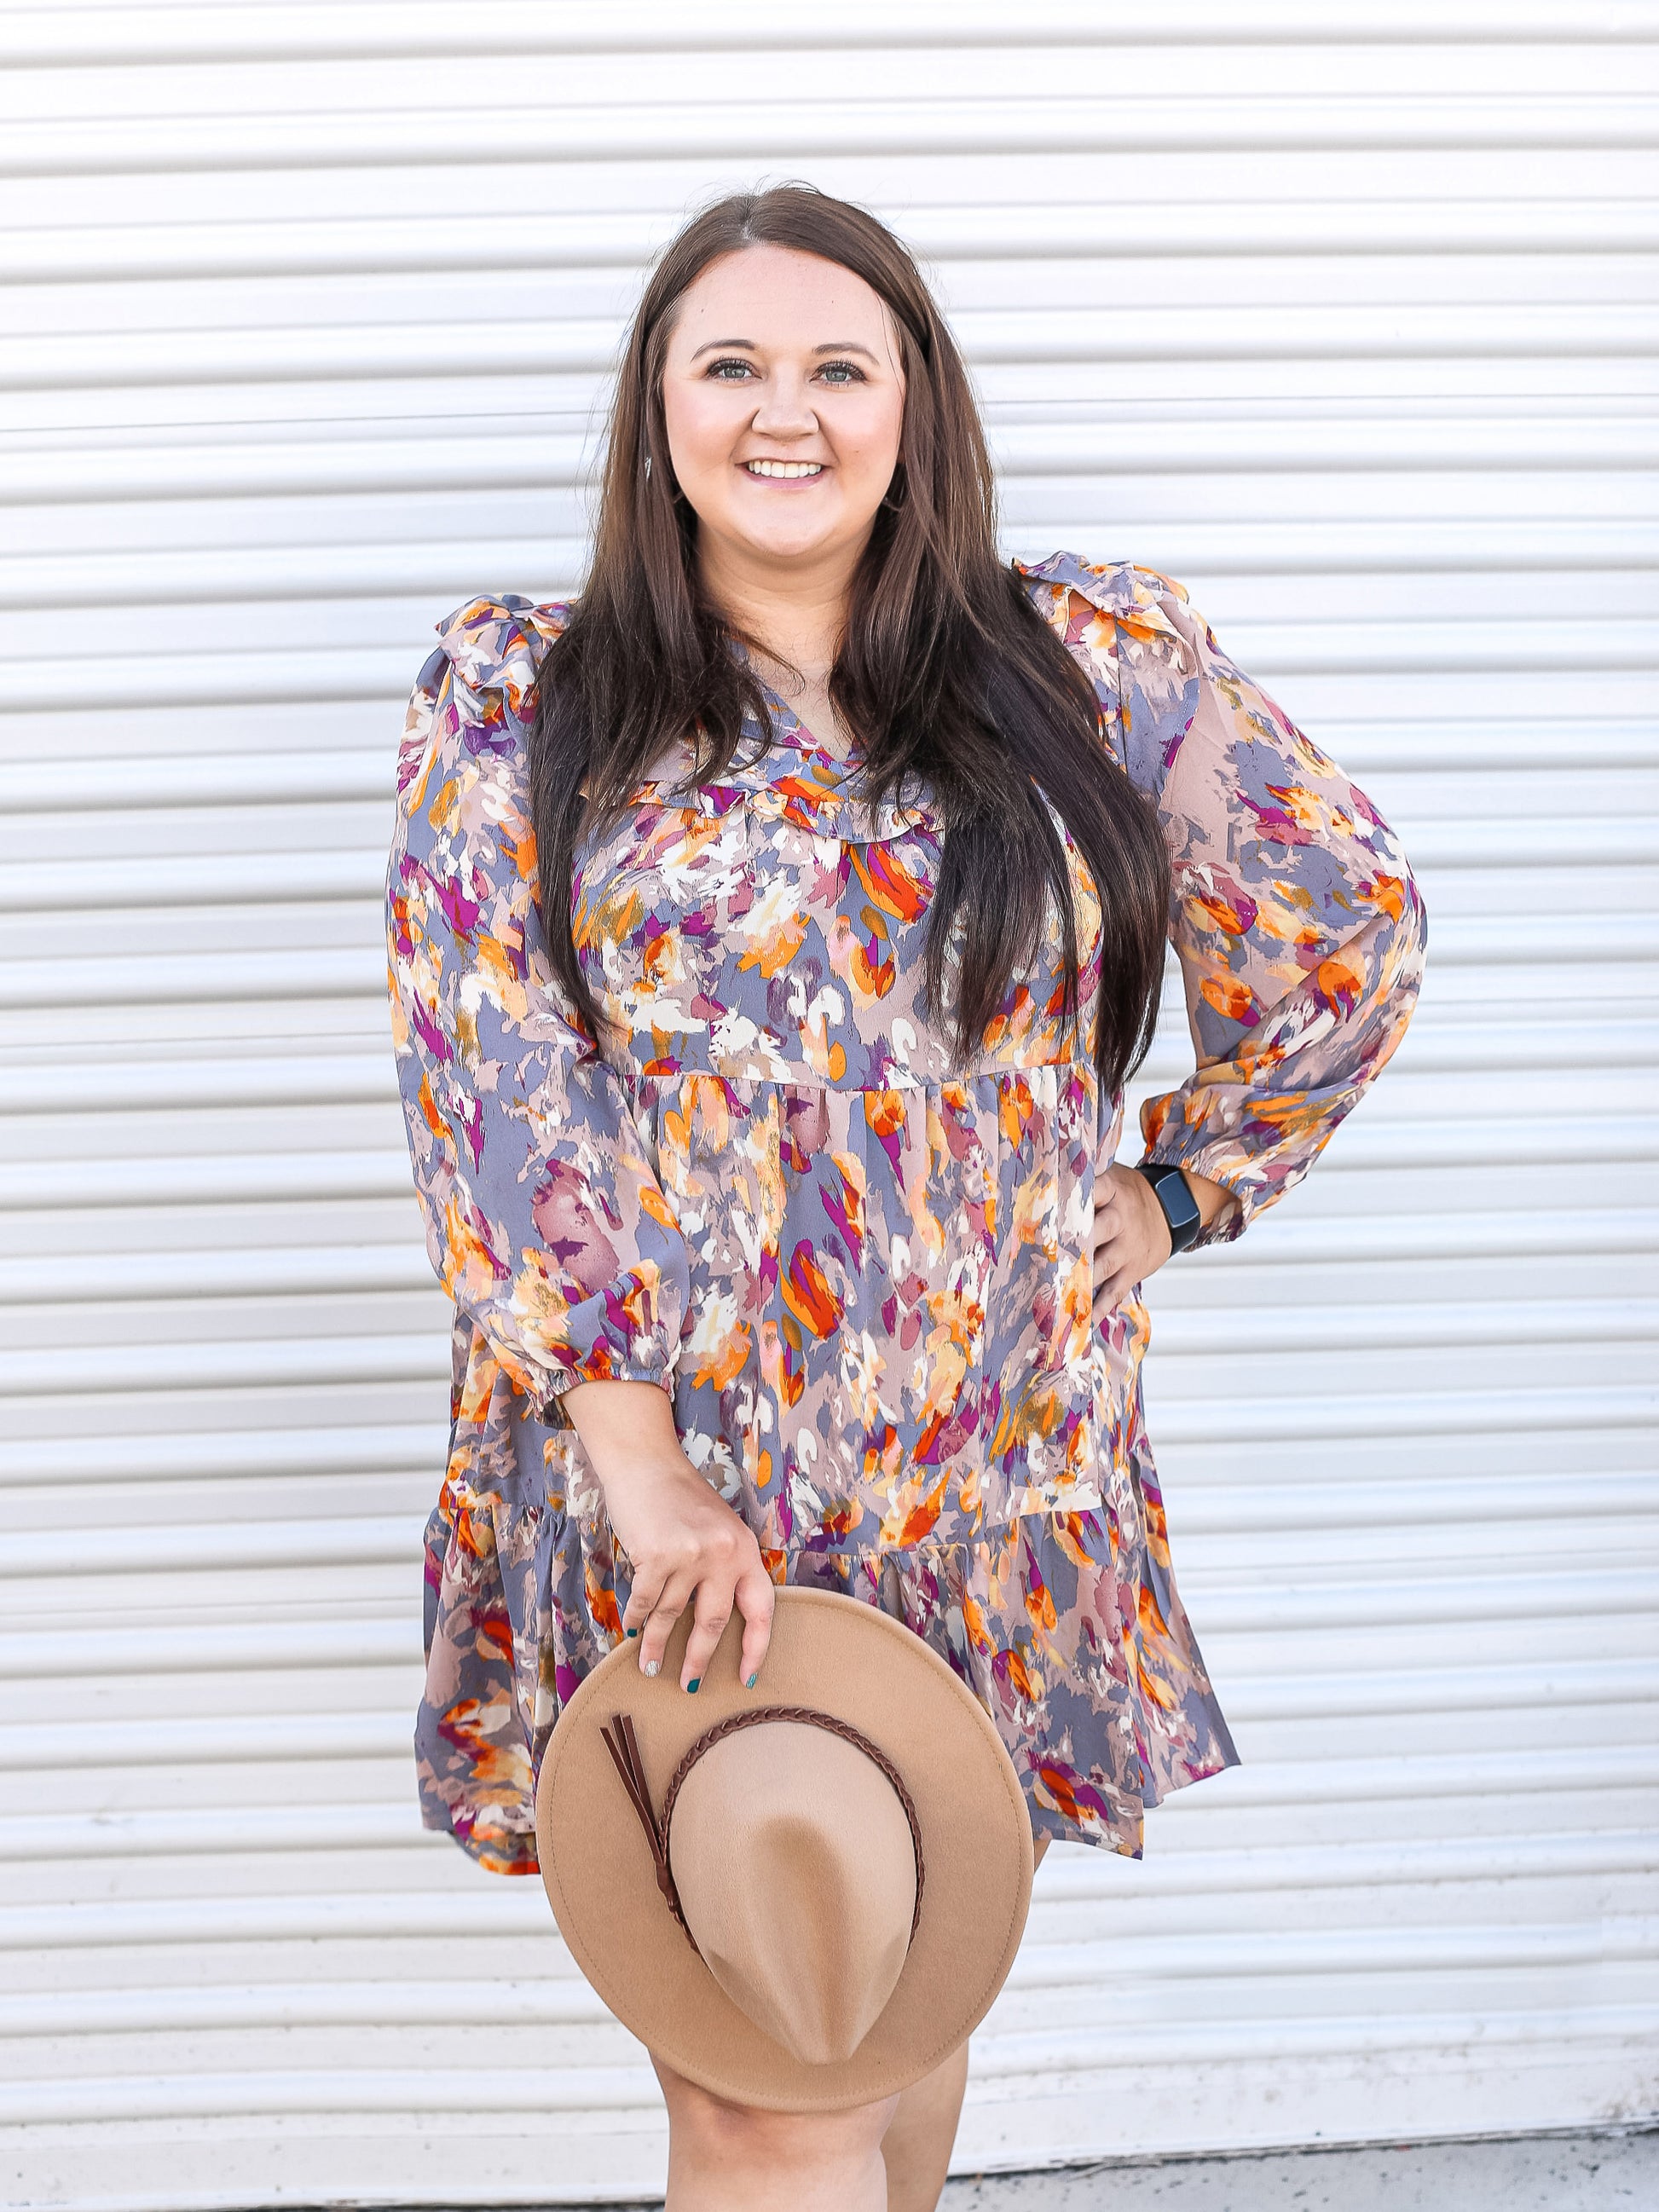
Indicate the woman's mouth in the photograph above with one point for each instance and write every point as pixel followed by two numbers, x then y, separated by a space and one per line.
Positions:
pixel 786 472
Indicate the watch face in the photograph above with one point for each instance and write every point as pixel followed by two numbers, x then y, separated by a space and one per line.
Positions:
pixel 1174 1195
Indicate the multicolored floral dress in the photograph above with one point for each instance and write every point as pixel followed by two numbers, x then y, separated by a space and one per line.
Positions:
pixel 862 1273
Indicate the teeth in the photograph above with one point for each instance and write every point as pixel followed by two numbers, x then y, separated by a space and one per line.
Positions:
pixel 784 468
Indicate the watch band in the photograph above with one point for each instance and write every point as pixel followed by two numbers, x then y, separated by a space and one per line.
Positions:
pixel 1174 1195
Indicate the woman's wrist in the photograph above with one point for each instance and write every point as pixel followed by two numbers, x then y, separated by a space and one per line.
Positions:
pixel 627 1430
pixel 1184 1205
pixel 1215 1202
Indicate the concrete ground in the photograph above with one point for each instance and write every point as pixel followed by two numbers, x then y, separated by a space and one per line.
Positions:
pixel 1534 2173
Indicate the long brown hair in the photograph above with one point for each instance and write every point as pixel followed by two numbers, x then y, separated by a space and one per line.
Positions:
pixel 945 674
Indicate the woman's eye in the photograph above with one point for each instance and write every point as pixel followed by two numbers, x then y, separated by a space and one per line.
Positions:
pixel 842 371
pixel 718 368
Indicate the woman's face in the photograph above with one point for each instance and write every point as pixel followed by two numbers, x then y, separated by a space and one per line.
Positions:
pixel 784 400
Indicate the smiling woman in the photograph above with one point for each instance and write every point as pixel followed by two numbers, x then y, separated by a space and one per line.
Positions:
pixel 773 929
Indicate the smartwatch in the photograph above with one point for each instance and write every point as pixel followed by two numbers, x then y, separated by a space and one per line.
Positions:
pixel 1174 1195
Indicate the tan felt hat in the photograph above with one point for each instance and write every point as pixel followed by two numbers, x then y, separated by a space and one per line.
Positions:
pixel 802 1896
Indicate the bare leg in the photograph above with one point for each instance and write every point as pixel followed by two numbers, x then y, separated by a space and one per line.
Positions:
pixel 730 2158
pixel 916 2148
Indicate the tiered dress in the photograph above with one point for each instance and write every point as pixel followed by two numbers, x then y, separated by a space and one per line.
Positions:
pixel 862 1273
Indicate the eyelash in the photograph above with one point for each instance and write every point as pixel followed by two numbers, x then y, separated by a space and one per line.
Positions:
pixel 734 360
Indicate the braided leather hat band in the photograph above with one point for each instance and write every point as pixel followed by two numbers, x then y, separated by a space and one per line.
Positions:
pixel 623 1747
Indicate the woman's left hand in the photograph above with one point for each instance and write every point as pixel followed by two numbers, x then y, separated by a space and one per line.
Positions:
pixel 1132 1232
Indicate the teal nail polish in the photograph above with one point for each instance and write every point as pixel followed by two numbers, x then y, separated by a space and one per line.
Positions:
pixel 692 1684
pixel 750 1683
pixel 630 1634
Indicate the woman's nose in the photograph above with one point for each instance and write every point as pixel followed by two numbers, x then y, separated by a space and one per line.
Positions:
pixel 785 409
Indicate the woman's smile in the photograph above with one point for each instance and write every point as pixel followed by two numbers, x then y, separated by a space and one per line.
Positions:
pixel 789 472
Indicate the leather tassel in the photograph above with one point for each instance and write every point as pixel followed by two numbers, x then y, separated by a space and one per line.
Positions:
pixel 623 1747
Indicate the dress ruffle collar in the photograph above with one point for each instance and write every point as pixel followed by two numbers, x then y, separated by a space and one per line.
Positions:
pixel 495 646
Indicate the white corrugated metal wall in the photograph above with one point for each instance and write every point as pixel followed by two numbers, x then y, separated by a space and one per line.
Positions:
pixel 1347 316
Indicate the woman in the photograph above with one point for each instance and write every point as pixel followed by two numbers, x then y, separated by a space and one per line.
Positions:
pixel 770 1155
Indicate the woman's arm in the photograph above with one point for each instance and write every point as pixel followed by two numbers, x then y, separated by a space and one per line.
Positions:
pixel 545 1221
pixel 1293 912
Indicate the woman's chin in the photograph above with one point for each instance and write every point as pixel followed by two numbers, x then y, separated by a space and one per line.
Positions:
pixel 789 539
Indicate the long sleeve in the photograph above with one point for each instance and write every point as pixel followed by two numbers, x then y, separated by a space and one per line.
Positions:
pixel 1299 929
pixel 544 1219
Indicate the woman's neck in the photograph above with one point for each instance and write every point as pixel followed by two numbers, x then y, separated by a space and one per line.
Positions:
pixel 796 618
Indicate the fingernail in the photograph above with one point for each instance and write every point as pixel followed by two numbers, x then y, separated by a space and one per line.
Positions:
pixel 750 1683
pixel 691 1686
pixel 630 1634
pixel 652 1666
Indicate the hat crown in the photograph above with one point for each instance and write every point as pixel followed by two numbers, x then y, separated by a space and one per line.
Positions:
pixel 796 1871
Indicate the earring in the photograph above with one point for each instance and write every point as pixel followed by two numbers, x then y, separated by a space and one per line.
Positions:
pixel 648 467
pixel 891 504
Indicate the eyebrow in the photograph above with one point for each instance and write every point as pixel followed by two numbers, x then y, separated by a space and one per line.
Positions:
pixel 850 345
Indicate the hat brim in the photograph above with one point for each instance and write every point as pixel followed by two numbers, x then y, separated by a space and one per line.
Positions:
pixel 845 1658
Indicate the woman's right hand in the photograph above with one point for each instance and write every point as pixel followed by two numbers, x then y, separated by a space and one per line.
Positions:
pixel 687 1546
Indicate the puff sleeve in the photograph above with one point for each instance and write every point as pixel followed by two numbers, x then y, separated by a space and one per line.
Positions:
pixel 1298 926
pixel 544 1219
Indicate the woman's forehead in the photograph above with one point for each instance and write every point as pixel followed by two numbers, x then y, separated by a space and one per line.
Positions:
pixel 772 296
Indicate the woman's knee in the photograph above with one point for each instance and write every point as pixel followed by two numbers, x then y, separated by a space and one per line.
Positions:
pixel 743 2133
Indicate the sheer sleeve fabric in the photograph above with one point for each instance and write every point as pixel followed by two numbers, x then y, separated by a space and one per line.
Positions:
pixel 545 1219
pixel 1298 926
